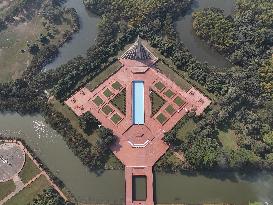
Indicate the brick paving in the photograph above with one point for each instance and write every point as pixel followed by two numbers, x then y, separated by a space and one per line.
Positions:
pixel 138 159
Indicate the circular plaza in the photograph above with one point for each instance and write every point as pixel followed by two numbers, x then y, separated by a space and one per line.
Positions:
pixel 12 159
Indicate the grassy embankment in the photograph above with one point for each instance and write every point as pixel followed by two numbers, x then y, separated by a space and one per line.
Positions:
pixel 6 188
pixel 27 195
pixel 29 170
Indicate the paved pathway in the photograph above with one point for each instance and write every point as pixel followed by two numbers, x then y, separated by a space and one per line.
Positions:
pixel 148 137
pixel 20 185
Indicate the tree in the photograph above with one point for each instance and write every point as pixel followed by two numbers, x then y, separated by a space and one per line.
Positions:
pixel 268 138
pixel 34 49
pixel 88 122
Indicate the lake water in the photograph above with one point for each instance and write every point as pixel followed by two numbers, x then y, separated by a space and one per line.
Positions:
pixel 109 186
pixel 198 48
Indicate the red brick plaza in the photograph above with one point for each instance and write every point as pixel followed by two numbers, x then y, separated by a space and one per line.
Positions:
pixel 138 146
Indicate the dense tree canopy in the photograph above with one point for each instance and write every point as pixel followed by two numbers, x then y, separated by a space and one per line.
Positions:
pixel 241 93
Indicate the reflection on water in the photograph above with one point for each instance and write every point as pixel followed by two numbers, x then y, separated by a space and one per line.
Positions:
pixel 108 186
pixel 196 46
pixel 214 187
pixel 53 151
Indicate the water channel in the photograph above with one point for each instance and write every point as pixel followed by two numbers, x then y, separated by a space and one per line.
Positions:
pixel 198 48
pixel 82 40
pixel 108 186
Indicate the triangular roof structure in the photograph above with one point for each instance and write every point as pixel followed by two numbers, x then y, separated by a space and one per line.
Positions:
pixel 139 52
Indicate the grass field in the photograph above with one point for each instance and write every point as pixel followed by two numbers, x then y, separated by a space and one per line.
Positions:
pixel 170 109
pixel 228 139
pixel 6 5
pixel 160 86
pixel 29 170
pixel 116 118
pixel 98 101
pixel 169 93
pixel 161 118
pixel 14 39
pixel 119 101
pixel 116 85
pixel 6 188
pixel 157 102
pixel 107 109
pixel 101 77
pixel 26 196
pixel 178 101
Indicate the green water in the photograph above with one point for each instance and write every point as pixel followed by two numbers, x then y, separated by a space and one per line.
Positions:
pixel 139 188
pixel 82 40
pixel 109 186
pixel 198 48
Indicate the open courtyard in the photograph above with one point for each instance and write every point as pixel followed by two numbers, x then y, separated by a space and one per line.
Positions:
pixel 139 130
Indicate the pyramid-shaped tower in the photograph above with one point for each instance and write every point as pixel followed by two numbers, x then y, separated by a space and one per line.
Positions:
pixel 138 52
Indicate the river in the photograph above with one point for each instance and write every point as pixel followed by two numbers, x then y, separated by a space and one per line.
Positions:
pixel 198 48
pixel 108 186
pixel 80 41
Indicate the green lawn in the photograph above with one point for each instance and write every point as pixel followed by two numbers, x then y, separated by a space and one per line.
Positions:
pixel 170 109
pixel 6 188
pixel 157 102
pixel 160 86
pixel 107 109
pixel 102 76
pixel 116 118
pixel 169 93
pixel 98 101
pixel 119 101
pixel 173 76
pixel 15 38
pixel 26 196
pixel 161 118
pixel 178 101
pixel 29 170
pixel 107 93
pixel 228 139
pixel 116 85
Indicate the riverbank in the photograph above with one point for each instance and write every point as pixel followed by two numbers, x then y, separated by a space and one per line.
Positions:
pixel 197 47
pixel 81 41
pixel 24 41
pixel 54 153
pixel 31 173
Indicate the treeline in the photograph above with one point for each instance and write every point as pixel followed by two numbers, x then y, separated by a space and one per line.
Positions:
pixel 238 89
pixel 266 76
pixel 245 37
pixel 49 197
pixel 92 156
